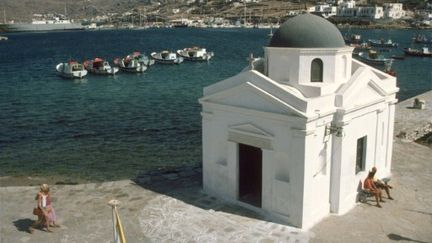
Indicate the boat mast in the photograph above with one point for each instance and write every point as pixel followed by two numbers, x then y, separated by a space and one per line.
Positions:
pixel 245 18
pixel 140 18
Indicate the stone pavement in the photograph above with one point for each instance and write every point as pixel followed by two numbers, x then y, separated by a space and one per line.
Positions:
pixel 407 218
pixel 411 123
pixel 163 211
pixel 171 207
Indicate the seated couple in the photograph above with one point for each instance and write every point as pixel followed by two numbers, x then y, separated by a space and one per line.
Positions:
pixel 374 186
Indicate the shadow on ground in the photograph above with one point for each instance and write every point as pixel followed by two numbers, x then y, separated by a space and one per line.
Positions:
pixel 185 184
pixel 23 224
pixel 397 237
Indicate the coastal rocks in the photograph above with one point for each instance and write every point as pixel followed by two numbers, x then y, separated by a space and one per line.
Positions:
pixel 167 174
pixel 413 119
pixel 415 134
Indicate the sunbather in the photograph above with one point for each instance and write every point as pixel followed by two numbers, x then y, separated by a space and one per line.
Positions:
pixel 369 185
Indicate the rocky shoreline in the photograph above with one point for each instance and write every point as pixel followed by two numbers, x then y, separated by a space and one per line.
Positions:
pixel 143 177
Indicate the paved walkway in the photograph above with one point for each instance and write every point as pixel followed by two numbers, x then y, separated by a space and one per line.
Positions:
pixel 408 218
pixel 165 211
pixel 171 207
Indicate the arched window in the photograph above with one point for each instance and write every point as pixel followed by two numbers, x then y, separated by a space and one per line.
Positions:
pixel 317 70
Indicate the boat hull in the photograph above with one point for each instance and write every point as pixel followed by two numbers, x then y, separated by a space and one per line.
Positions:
pixel 39 27
pixel 139 69
pixel 104 70
pixel 203 58
pixel 70 75
pixel 158 58
pixel 111 71
pixel 417 53
pixel 377 61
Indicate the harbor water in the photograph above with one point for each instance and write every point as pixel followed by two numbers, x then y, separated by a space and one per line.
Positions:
pixel 107 128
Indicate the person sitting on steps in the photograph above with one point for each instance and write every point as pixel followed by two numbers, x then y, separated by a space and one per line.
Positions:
pixel 369 186
pixel 380 184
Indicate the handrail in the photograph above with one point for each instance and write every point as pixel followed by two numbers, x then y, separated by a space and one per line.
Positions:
pixel 119 236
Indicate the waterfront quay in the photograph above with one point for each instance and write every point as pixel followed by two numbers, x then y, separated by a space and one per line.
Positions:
pixel 170 206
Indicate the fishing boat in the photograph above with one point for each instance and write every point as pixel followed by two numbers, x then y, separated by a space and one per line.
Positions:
pixel 71 69
pixel 195 54
pixel 352 39
pixel 362 47
pixel 424 52
pixel 166 57
pixel 134 63
pixel 383 43
pixel 422 39
pixel 372 57
pixel 100 66
pixel 3 38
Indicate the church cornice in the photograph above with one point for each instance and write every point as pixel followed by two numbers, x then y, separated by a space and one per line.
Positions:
pixel 282 118
pixel 311 50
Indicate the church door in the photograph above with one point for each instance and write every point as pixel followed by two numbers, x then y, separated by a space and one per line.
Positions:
pixel 250 174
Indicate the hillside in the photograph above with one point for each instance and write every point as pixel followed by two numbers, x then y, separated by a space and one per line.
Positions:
pixel 22 10
pixel 265 10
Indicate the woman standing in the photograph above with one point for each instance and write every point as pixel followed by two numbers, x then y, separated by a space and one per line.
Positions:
pixel 46 213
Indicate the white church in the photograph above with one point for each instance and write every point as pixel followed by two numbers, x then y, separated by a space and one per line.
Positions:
pixel 294 134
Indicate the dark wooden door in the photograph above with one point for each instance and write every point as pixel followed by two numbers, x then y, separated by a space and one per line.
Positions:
pixel 250 174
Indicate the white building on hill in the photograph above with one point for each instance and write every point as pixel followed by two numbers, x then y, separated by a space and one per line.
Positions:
pixel 369 12
pixel 393 11
pixel 294 135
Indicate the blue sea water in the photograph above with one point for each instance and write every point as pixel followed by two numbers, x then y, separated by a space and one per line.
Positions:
pixel 107 128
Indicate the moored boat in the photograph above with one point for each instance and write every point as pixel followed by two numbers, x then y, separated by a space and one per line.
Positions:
pixel 372 57
pixel 100 66
pixel 424 52
pixel 383 43
pixel 352 39
pixel 195 54
pixel 71 69
pixel 134 63
pixel 3 38
pixel 42 23
pixel 166 57
pixel 422 39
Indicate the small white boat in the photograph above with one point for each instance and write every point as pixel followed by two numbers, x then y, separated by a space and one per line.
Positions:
pixel 3 38
pixel 195 54
pixel 135 63
pixel 71 69
pixel 383 43
pixel 100 66
pixel 166 57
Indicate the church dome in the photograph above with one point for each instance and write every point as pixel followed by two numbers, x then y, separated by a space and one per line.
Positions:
pixel 307 31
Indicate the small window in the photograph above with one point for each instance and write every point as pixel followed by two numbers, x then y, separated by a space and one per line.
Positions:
pixel 317 70
pixel 361 154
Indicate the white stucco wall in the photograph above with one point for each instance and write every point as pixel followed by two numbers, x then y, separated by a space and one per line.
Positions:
pixel 293 66
pixel 317 175
pixel 373 123
pixel 282 173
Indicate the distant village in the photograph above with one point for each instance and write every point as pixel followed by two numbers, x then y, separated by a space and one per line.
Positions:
pixel 254 14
